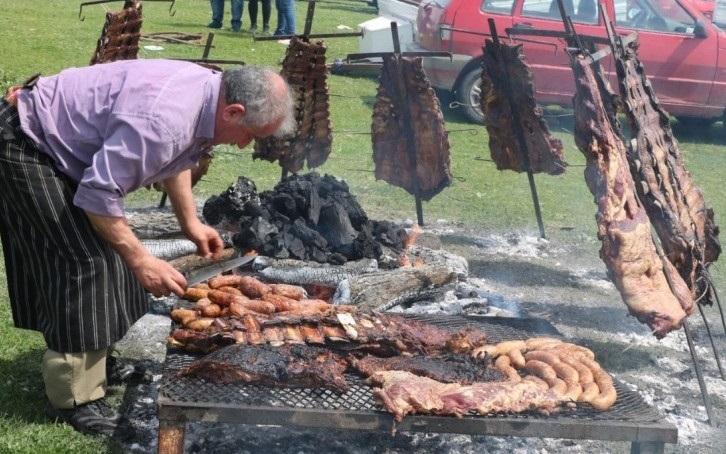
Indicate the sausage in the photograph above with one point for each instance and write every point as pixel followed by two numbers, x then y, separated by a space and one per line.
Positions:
pixel 504 365
pixel 211 310
pixel 538 381
pixel 224 299
pixel 608 395
pixel 582 371
pixel 505 347
pixel 252 287
pixel 232 290
pixel 590 391
pixel 199 324
pixel 516 358
pixel 263 307
pixel 238 310
pixel 231 280
pixel 315 305
pixel 195 294
pixel 535 342
pixel 183 316
pixel 281 303
pixel 290 291
pixel 202 302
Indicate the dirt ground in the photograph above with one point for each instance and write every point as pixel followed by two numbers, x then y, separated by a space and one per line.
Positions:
pixel 561 280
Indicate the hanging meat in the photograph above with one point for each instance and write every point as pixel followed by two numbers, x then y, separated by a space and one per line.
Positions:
pixel 504 65
pixel 304 70
pixel 120 35
pixel 674 203
pixel 424 167
pixel 651 288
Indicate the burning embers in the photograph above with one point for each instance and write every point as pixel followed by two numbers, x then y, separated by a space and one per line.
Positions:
pixel 306 217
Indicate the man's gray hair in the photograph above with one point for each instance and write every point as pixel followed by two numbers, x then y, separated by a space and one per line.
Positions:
pixel 252 87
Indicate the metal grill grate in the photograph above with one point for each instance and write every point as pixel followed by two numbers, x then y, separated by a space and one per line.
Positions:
pixel 179 390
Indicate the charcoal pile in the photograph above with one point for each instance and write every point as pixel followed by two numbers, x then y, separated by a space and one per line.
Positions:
pixel 305 217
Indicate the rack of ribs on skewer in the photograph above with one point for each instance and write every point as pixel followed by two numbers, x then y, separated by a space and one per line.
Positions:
pixel 287 366
pixel 430 167
pixel 341 328
pixel 674 203
pixel 651 288
pixel 545 152
pixel 120 35
pixel 304 70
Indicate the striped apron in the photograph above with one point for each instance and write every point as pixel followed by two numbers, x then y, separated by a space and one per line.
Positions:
pixel 63 279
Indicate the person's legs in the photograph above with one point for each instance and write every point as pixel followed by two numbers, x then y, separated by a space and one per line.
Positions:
pixel 266 12
pixel 252 8
pixel 217 13
pixel 237 9
pixel 290 17
pixel 281 18
pixel 73 379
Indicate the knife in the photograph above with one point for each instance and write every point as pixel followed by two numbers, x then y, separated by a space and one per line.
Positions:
pixel 205 273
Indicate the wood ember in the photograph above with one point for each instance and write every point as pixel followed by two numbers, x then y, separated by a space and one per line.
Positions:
pixel 430 169
pixel 623 226
pixel 305 217
pixel 545 152
pixel 674 203
pixel 304 70
pixel 120 35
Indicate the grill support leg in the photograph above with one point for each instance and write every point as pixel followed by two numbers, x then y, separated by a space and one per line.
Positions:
pixel 646 447
pixel 171 437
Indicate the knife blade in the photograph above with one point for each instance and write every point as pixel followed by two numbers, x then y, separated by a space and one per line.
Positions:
pixel 205 273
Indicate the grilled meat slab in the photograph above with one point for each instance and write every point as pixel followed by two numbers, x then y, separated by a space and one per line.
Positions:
pixel 287 366
pixel 545 152
pixel 623 225
pixel 447 369
pixel 674 203
pixel 429 171
pixel 403 393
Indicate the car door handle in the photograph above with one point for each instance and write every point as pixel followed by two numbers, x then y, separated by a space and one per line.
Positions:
pixel 523 25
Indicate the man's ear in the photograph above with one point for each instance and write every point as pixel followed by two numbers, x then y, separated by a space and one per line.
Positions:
pixel 233 113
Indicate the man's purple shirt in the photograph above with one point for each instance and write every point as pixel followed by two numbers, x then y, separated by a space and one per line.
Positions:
pixel 115 127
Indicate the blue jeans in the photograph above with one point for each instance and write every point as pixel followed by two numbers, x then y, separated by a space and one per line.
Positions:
pixel 285 17
pixel 218 12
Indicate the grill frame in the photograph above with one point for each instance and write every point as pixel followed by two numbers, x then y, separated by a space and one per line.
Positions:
pixel 185 399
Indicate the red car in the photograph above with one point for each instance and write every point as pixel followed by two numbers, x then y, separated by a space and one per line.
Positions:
pixel 683 53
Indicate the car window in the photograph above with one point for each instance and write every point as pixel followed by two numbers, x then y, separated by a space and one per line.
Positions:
pixel 498 6
pixel 658 15
pixel 583 11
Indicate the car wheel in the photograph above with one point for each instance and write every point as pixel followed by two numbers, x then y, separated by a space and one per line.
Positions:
pixel 469 95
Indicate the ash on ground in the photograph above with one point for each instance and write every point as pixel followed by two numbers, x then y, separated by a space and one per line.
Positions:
pixel 561 280
pixel 305 217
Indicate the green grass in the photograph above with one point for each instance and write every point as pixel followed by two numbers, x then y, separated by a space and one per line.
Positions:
pixel 46 36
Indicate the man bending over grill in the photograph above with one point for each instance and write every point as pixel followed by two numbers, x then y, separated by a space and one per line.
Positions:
pixel 71 147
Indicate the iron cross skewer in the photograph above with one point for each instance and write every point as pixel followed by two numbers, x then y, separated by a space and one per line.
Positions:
pixel 81 17
pixel 306 36
pixel 518 130
pixel 398 57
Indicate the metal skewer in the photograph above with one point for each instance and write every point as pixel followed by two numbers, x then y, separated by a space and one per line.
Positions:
pixel 518 130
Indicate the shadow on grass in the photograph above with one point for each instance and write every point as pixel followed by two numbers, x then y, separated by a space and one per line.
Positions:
pixel 22 393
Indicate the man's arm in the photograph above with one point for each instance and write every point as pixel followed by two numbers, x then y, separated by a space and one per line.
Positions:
pixel 207 239
pixel 155 275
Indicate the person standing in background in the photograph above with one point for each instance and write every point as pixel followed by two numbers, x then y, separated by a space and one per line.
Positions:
pixel 266 11
pixel 285 17
pixel 218 14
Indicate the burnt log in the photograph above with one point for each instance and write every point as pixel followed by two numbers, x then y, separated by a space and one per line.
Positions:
pixel 386 289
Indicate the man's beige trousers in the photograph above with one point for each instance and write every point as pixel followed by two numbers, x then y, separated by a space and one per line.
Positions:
pixel 74 378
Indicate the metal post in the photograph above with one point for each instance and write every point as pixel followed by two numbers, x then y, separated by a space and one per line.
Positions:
pixel 208 46
pixel 699 375
pixel 309 19
pixel 713 344
pixel 406 115
pixel 519 132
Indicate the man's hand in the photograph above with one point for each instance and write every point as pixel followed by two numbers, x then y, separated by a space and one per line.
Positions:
pixel 209 243
pixel 158 277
